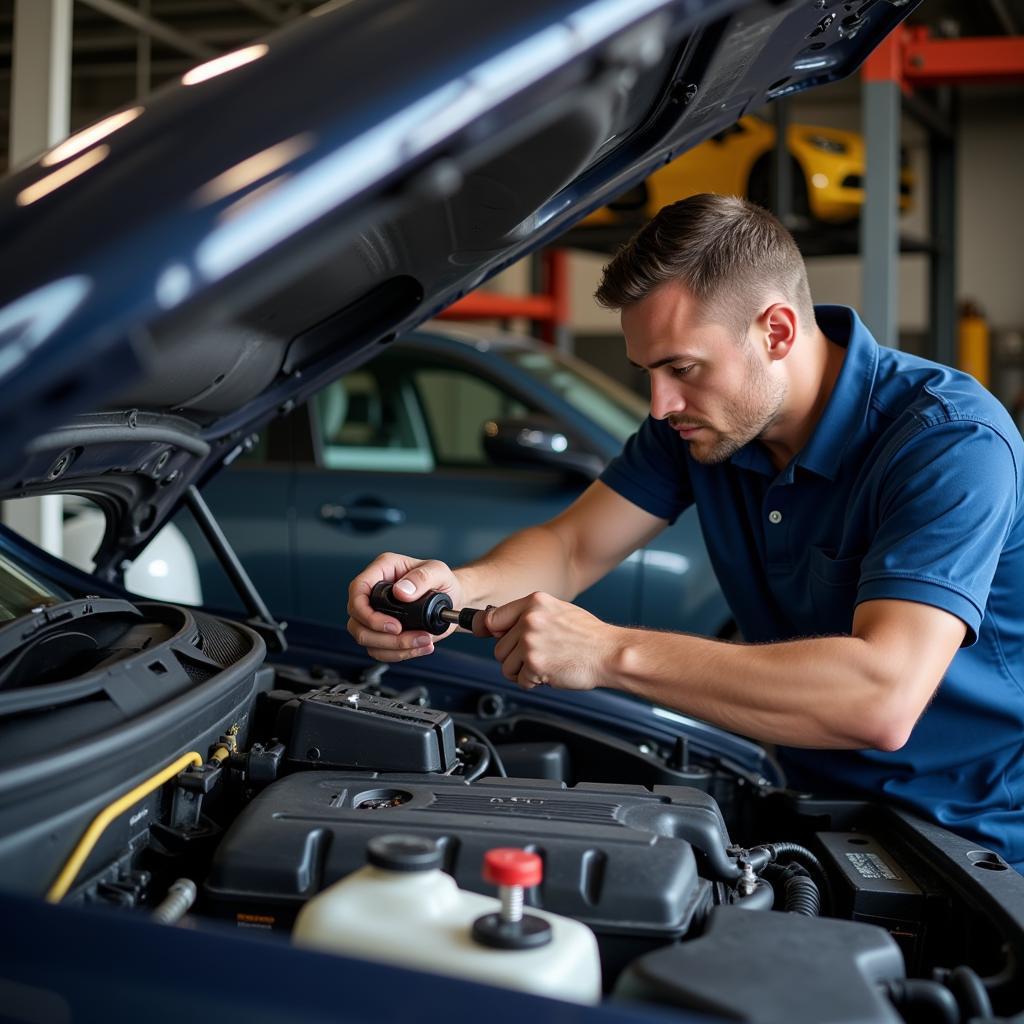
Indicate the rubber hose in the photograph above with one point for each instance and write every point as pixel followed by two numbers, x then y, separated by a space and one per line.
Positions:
pixel 970 993
pixel 372 674
pixel 499 767
pixel 1007 979
pixel 804 857
pixel 483 760
pixel 801 896
pixel 930 994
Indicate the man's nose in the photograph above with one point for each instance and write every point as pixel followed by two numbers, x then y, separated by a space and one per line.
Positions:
pixel 665 398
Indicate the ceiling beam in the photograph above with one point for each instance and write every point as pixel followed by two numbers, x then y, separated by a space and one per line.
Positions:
pixel 157 29
pixel 1003 15
pixel 267 11
pixel 88 42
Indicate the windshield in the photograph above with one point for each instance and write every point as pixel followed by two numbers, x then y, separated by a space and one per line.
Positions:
pixel 20 592
pixel 608 403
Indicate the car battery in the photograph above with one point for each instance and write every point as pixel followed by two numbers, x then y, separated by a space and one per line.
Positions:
pixel 875 888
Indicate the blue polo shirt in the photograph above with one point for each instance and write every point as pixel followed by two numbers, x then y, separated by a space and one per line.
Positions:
pixel 911 487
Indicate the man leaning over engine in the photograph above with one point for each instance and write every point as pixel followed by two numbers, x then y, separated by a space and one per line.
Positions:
pixel 862 509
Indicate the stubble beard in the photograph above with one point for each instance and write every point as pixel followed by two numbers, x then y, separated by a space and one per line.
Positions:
pixel 749 416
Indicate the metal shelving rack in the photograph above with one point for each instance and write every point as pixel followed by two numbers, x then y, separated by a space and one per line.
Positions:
pixel 912 71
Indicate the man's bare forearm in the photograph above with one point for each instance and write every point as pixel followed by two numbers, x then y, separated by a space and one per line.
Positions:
pixel 533 559
pixel 563 556
pixel 863 690
pixel 820 692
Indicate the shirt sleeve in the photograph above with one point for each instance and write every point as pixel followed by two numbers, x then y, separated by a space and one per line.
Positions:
pixel 946 503
pixel 652 471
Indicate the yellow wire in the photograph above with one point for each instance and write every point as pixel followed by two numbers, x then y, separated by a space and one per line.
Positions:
pixel 99 824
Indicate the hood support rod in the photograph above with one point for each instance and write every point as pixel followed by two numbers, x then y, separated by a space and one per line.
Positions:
pixel 261 620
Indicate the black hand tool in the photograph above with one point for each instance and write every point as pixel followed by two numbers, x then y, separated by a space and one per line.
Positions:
pixel 431 611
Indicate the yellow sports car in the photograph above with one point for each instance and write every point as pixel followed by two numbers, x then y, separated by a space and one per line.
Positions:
pixel 827 164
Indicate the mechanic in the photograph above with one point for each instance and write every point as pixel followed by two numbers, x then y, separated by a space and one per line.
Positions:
pixel 862 508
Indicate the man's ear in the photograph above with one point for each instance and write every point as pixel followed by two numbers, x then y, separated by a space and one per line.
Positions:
pixel 777 325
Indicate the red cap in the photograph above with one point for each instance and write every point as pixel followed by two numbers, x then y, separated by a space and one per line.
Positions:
pixel 510 866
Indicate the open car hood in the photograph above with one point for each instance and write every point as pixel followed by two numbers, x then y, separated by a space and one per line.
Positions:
pixel 193 266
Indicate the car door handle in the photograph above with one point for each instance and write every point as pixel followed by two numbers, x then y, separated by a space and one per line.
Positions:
pixel 363 515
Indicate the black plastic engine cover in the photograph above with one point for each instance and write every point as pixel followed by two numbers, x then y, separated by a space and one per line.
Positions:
pixel 613 856
pixel 353 729
pixel 773 968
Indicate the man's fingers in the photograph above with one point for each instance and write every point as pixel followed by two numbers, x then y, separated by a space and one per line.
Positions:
pixel 428 575
pixel 411 578
pixel 383 654
pixel 506 645
pixel 363 615
pixel 480 626
pixel 371 639
pixel 512 666
pixel 501 619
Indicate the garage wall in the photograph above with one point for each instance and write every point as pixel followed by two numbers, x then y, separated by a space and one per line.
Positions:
pixel 991 210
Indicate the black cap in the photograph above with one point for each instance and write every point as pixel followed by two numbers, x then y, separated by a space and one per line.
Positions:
pixel 403 853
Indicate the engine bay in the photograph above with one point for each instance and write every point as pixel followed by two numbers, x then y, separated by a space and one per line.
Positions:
pixel 708 887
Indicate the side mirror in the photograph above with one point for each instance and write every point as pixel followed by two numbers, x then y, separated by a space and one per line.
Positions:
pixel 537 440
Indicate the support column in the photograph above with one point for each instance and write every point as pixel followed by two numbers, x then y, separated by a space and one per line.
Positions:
pixel 40 77
pixel 558 287
pixel 879 231
pixel 782 166
pixel 40 118
pixel 943 290
pixel 144 57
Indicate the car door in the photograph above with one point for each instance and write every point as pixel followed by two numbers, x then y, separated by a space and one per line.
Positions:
pixel 398 464
pixel 251 500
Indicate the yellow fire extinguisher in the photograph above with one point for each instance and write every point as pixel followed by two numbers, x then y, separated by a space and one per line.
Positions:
pixel 974 343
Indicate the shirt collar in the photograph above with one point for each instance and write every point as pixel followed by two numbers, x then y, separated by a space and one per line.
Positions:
pixel 845 414
pixel 845 411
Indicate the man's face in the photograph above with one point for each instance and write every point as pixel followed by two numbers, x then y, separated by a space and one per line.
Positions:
pixel 719 392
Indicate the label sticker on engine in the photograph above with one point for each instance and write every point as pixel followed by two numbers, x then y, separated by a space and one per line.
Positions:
pixel 254 921
pixel 870 865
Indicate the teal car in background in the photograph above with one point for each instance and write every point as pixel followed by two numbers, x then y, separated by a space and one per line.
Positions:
pixel 441 446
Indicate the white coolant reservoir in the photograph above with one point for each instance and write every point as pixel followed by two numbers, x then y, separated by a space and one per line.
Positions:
pixel 402 908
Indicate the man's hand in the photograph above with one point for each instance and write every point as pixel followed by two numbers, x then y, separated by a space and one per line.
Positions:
pixel 545 640
pixel 381 634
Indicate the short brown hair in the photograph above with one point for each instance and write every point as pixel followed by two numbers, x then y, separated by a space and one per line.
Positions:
pixel 725 250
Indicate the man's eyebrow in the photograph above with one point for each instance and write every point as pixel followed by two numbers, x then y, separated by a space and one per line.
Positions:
pixel 662 362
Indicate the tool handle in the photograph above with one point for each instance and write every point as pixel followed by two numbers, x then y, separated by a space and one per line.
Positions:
pixel 423 613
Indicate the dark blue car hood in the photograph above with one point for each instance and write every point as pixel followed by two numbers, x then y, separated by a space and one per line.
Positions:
pixel 184 272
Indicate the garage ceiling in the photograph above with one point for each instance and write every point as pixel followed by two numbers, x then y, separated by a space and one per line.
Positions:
pixel 106 52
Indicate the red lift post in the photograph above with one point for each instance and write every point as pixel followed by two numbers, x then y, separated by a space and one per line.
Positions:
pixel 549 308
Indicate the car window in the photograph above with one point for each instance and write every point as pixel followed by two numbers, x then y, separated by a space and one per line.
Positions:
pixel 369 420
pixel 457 404
pixel 20 592
pixel 597 396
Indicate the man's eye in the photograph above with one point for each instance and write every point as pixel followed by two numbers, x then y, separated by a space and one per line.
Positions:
pixel 683 371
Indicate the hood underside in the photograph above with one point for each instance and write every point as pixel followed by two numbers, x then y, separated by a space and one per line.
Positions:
pixel 200 265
